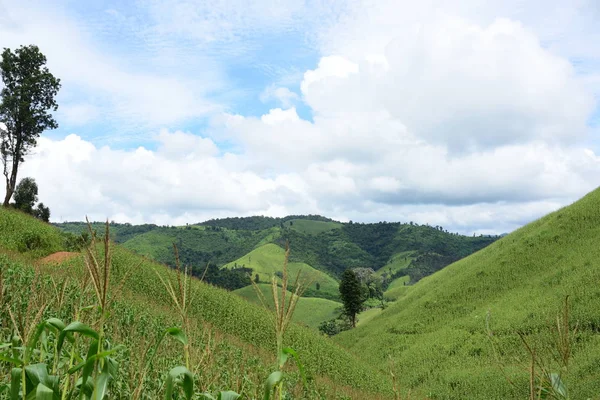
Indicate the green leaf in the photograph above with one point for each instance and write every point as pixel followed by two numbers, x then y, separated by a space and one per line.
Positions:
pixel 15 383
pixel 178 334
pixel 208 396
pixel 33 341
pixel 89 366
pixel 15 361
pixel 37 373
pixel 183 377
pixel 558 386
pixel 101 386
pixel 228 395
pixel 55 324
pixel 289 351
pixel 43 392
pixel 273 380
pixel 76 327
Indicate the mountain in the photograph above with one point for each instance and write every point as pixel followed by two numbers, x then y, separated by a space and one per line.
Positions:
pixel 461 332
pixel 322 243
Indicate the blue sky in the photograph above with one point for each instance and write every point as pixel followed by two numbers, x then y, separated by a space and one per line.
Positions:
pixel 472 115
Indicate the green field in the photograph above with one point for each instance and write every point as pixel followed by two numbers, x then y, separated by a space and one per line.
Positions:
pixel 396 263
pixel 268 259
pixel 310 311
pixel 436 332
pixel 233 340
pixel 397 288
pixel 311 227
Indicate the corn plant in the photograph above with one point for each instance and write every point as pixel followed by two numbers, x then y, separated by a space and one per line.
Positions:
pixel 284 311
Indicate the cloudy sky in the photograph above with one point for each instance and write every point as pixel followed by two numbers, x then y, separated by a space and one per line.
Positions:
pixel 474 116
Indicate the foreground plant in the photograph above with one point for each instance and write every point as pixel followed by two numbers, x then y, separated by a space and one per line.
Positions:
pixel 284 308
pixel 83 370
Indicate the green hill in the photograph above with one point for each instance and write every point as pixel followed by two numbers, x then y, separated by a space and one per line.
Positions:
pixel 267 260
pixel 232 340
pixel 436 332
pixel 310 311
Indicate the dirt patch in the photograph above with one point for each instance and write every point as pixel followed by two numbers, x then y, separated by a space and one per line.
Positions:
pixel 58 258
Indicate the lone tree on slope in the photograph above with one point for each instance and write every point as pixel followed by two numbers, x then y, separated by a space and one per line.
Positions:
pixel 28 94
pixel 352 293
pixel 26 195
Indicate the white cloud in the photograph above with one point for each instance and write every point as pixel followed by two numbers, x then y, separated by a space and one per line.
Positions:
pixel 462 114
pixel 129 92
pixel 283 95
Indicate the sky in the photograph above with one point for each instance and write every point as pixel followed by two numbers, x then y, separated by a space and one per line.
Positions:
pixel 477 116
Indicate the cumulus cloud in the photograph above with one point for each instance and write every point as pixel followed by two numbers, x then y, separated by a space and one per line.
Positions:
pixel 457 114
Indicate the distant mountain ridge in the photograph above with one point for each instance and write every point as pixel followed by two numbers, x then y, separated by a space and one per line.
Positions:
pixel 321 242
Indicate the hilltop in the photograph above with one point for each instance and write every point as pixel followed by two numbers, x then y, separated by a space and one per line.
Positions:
pixel 455 334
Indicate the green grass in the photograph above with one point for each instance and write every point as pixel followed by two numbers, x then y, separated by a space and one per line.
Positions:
pixel 311 227
pixel 396 263
pixel 233 338
pixel 310 311
pixel 397 288
pixel 268 259
pixel 436 332
pixel 24 234
pixel 367 315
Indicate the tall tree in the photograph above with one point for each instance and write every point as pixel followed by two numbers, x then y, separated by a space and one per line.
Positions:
pixel 352 293
pixel 26 99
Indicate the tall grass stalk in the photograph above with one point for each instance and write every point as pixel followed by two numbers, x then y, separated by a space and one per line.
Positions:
pixel 284 308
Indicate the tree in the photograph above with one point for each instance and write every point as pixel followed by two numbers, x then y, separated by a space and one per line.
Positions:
pixel 26 195
pixel 28 94
pixel 352 293
pixel 42 212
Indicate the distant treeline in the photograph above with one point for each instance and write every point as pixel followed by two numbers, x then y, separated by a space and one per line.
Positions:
pixel 259 222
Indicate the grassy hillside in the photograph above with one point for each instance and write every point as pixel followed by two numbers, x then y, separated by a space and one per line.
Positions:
pixel 232 340
pixel 311 227
pixel 396 263
pixel 24 234
pixel 436 331
pixel 268 260
pixel 310 311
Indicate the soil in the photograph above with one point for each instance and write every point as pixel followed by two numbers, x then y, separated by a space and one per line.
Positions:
pixel 58 257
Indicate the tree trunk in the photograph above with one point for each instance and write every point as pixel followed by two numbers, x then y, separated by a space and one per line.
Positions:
pixel 11 181
pixel 8 194
pixel 10 185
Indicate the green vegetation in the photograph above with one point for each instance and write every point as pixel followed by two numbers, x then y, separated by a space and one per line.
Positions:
pixel 311 227
pixel 310 311
pixel 437 331
pixel 324 244
pixel 397 263
pixel 231 341
pixel 266 262
pixel 26 235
